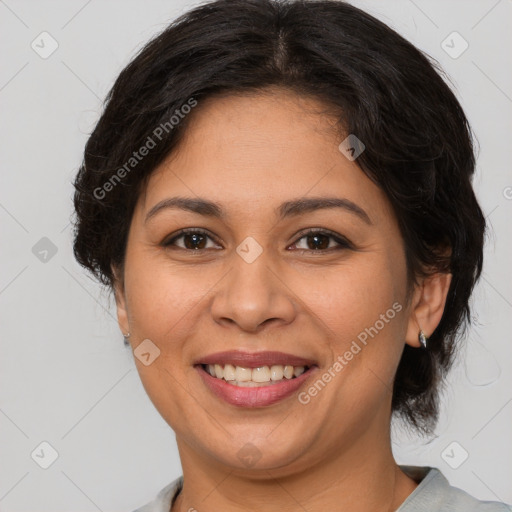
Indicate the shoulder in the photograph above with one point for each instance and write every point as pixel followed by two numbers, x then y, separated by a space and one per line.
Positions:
pixel 162 501
pixel 435 494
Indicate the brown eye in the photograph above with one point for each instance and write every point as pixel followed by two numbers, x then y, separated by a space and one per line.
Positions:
pixel 193 239
pixel 317 241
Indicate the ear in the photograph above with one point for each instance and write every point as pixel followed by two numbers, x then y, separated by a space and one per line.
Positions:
pixel 427 306
pixel 122 313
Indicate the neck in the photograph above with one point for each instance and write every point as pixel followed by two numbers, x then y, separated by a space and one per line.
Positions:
pixel 362 476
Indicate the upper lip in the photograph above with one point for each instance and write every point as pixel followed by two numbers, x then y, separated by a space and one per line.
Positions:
pixel 254 359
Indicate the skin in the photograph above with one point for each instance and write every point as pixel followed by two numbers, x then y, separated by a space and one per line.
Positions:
pixel 250 154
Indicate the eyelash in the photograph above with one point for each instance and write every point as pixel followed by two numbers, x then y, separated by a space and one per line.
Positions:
pixel 343 242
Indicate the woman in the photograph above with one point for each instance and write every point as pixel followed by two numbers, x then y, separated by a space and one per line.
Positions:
pixel 279 196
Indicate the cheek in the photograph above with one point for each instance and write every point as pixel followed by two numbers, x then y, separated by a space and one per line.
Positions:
pixel 361 309
pixel 163 304
pixel 162 297
pixel 354 300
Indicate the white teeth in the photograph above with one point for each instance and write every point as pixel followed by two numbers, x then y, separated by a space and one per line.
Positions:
pixel 276 372
pixel 242 374
pixel 229 372
pixel 298 370
pixel 261 374
pixel 251 377
pixel 250 384
pixel 288 371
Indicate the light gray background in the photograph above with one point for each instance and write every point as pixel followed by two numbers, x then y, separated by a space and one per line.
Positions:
pixel 66 377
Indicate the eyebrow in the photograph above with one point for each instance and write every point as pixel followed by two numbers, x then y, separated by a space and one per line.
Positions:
pixel 287 209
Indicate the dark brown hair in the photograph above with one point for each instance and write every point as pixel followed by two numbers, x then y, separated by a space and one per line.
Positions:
pixel 384 90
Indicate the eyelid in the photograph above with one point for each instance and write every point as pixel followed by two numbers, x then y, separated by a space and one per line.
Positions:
pixel 341 240
pixel 167 241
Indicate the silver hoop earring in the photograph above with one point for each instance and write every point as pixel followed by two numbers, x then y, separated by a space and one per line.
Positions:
pixel 126 338
pixel 423 339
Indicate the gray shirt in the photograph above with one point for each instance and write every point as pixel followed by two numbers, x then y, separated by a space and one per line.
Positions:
pixel 433 494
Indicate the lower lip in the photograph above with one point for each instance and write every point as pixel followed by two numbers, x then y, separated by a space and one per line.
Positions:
pixel 255 396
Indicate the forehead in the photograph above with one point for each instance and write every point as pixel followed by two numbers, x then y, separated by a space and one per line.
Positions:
pixel 256 150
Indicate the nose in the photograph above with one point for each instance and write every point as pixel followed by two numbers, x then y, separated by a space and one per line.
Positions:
pixel 253 296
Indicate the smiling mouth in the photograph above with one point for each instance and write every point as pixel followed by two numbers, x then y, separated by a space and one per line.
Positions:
pixel 254 377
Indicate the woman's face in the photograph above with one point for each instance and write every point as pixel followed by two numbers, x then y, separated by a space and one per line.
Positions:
pixel 255 282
